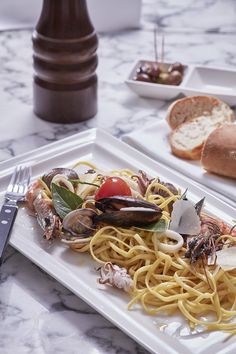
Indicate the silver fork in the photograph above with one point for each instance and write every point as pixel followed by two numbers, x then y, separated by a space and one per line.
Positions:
pixel 15 193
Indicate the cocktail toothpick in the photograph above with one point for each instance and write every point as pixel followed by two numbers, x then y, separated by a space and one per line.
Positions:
pixel 155 43
pixel 162 48
pixel 156 35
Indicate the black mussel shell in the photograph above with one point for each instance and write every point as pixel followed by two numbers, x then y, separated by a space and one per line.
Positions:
pixel 127 218
pixel 119 202
pixel 126 211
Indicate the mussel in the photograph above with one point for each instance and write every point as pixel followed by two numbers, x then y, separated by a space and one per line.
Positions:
pixel 67 172
pixel 118 211
pixel 127 211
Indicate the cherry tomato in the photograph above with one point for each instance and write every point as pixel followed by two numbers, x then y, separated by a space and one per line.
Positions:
pixel 113 186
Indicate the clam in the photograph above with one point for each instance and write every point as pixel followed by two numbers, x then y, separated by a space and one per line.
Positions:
pixel 79 223
pixel 127 211
pixel 67 172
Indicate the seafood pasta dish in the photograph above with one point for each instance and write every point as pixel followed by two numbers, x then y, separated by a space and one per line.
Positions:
pixel 147 237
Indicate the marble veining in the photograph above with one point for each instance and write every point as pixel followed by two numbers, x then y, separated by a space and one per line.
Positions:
pixel 37 314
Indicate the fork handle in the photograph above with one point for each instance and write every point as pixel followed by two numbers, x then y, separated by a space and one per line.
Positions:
pixel 7 218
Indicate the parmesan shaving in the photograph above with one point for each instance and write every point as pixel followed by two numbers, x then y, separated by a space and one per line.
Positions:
pixel 184 218
pixel 226 258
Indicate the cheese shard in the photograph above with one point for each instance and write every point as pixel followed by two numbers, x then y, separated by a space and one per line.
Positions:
pixel 184 218
pixel 226 258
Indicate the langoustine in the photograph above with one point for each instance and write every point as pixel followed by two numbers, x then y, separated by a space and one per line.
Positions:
pixel 204 244
pixel 39 202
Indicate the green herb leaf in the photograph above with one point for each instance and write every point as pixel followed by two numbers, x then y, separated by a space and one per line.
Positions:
pixel 64 201
pixel 80 182
pixel 158 226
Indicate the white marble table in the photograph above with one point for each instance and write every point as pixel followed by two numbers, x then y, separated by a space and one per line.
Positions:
pixel 37 314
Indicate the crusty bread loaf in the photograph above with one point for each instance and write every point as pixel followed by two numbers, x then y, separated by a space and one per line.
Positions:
pixel 187 140
pixel 193 119
pixel 219 151
pixel 187 108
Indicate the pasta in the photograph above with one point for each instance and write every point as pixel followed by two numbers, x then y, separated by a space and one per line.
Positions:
pixel 167 282
pixel 164 279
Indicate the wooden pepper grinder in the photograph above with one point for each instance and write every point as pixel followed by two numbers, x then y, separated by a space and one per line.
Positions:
pixel 65 60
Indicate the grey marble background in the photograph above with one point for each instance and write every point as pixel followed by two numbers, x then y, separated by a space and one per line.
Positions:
pixel 37 314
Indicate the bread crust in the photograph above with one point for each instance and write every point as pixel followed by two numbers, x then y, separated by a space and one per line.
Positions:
pixel 219 151
pixel 188 108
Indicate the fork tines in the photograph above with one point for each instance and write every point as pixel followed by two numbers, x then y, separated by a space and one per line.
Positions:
pixel 20 180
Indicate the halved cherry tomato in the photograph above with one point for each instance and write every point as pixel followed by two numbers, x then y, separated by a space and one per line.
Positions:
pixel 113 186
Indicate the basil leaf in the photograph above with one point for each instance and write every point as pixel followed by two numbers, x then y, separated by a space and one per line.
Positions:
pixel 158 226
pixel 64 201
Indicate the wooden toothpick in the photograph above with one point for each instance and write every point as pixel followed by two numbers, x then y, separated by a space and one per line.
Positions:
pixel 162 48
pixel 155 44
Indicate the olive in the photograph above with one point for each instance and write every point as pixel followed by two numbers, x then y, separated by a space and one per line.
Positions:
pixel 143 69
pixel 142 77
pixel 176 67
pixel 175 78
pixel 163 78
pixel 154 72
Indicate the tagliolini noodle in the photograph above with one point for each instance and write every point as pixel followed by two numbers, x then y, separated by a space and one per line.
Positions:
pixel 167 282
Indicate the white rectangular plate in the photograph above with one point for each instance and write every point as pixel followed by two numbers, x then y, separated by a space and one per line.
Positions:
pixel 159 334
pixel 153 141
pixel 197 80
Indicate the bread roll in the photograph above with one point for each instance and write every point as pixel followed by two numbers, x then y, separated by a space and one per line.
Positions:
pixel 187 140
pixel 219 151
pixel 188 108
